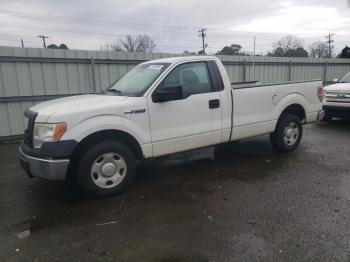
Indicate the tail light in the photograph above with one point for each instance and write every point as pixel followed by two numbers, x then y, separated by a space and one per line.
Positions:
pixel 320 93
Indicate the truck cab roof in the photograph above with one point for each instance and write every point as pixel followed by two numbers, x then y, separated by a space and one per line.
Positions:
pixel 182 59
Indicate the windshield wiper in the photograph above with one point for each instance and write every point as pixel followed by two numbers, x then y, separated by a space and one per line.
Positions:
pixel 112 90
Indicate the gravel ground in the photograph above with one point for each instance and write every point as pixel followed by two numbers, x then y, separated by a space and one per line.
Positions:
pixel 238 202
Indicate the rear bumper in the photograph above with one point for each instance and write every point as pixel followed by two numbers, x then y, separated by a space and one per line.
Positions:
pixel 314 116
pixel 44 168
pixel 321 115
pixel 337 111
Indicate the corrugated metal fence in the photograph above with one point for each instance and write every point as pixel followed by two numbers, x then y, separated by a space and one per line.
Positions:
pixel 31 75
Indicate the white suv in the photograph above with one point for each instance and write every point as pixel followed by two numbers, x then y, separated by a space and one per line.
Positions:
pixel 336 102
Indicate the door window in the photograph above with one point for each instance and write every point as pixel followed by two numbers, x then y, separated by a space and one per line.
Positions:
pixel 193 77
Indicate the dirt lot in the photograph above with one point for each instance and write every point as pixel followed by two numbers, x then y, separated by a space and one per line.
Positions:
pixel 240 202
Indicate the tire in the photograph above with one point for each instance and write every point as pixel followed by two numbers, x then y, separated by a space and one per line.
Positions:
pixel 106 169
pixel 288 133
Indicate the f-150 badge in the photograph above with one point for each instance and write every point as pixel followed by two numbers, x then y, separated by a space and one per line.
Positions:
pixel 136 111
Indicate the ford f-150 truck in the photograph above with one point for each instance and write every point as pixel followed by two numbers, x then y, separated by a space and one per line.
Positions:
pixel 337 98
pixel 160 107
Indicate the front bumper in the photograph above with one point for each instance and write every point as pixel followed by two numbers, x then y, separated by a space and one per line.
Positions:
pixel 44 168
pixel 336 111
pixel 49 162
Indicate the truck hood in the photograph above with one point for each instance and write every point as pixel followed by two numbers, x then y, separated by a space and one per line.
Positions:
pixel 74 104
pixel 338 87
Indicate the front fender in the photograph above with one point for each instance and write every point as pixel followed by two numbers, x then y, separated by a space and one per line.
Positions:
pixel 108 122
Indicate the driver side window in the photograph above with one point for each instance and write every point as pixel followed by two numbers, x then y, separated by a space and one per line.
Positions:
pixel 193 77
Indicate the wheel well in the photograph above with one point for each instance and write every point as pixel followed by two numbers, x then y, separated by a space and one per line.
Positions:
pixel 295 109
pixel 118 135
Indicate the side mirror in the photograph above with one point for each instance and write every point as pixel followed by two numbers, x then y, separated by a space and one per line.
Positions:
pixel 167 93
pixel 335 80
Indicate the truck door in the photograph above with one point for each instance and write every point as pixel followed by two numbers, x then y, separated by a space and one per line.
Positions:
pixel 191 120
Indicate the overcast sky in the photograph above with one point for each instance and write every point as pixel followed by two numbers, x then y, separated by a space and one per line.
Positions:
pixel 173 25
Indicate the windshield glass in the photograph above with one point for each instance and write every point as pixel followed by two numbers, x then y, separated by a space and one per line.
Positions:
pixel 138 79
pixel 345 79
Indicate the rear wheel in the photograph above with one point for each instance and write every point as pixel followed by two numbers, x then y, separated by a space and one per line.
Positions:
pixel 106 169
pixel 288 133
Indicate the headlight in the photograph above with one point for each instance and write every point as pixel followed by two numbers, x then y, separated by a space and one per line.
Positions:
pixel 47 133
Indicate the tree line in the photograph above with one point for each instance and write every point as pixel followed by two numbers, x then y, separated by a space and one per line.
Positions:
pixel 288 46
pixel 291 46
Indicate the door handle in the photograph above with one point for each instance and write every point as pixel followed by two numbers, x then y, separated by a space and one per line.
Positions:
pixel 215 103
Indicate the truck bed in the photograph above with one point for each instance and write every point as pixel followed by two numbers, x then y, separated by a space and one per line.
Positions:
pixel 256 107
pixel 251 84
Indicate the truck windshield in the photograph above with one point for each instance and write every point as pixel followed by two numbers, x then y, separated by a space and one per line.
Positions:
pixel 138 79
pixel 345 79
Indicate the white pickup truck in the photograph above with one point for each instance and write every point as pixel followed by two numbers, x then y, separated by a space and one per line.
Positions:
pixel 337 98
pixel 160 107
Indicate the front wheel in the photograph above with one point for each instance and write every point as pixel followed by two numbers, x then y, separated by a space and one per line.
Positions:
pixel 106 169
pixel 288 133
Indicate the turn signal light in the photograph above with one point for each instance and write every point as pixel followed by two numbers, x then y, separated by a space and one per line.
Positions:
pixel 59 131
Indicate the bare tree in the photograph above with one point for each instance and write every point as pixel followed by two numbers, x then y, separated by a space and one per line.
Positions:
pixel 289 46
pixel 319 49
pixel 140 43
pixel 129 44
pixel 145 44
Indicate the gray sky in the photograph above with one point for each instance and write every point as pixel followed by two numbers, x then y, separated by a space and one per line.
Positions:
pixel 173 25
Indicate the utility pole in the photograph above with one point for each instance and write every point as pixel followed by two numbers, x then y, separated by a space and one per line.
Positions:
pixel 329 41
pixel 203 35
pixel 254 57
pixel 22 42
pixel 254 44
pixel 43 37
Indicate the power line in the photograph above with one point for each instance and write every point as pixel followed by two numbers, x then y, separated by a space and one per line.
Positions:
pixel 135 26
pixel 75 44
pixel 166 43
pixel 95 22
pixel 219 36
pixel 14 38
pixel 70 20
pixel 84 32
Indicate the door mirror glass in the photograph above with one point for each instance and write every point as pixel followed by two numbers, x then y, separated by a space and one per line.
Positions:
pixel 167 93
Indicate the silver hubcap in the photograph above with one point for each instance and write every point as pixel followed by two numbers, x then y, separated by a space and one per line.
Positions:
pixel 291 133
pixel 108 170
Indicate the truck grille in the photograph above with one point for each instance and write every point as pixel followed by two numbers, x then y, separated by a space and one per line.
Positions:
pixel 28 133
pixel 341 97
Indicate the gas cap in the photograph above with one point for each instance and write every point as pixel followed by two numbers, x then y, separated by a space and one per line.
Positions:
pixel 275 100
